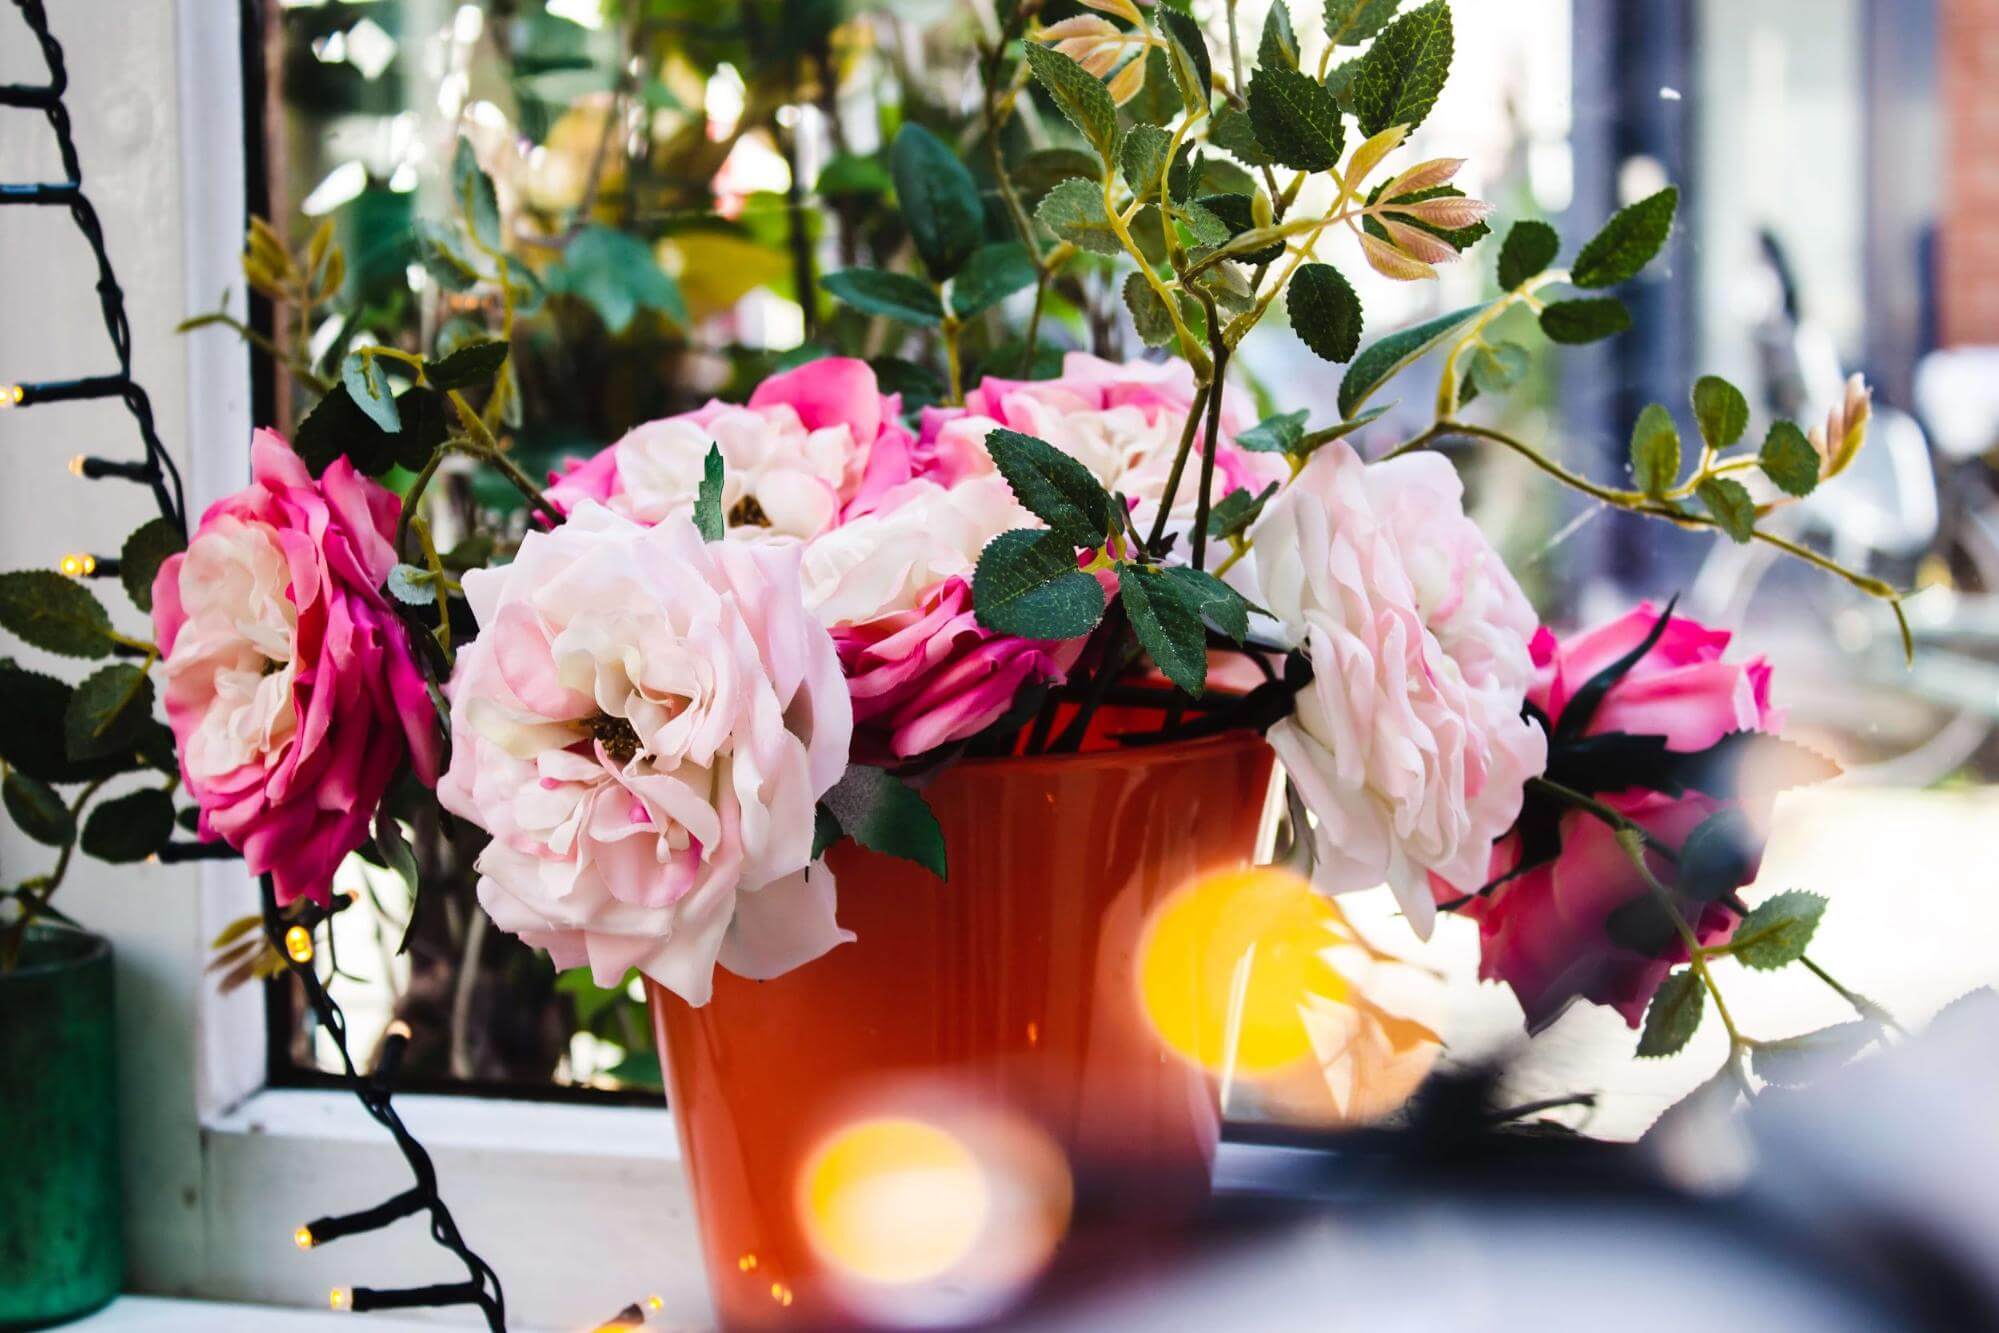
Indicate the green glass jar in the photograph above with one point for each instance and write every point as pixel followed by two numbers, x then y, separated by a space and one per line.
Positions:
pixel 61 1253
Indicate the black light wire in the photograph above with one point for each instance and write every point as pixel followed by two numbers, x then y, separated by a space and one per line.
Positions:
pixel 482 1287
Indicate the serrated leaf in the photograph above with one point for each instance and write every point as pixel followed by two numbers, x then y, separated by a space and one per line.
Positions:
pixel 1655 451
pixel 1325 311
pixel 1530 247
pixel 1215 601
pixel 1045 168
pixel 882 813
pixel 1777 932
pixel 1384 359
pixel 1233 132
pixel 1143 158
pixel 1238 214
pixel 1352 22
pixel 1078 95
pixel 1274 435
pixel 1627 242
pixel 129 828
pixel 1728 503
pixel 1587 321
pixel 1788 459
pixel 1794 1061
pixel 468 366
pixel 939 199
pixel 1397 81
pixel 1235 512
pixel 1279 43
pixel 1297 121
pixel 32 740
pixel 1721 411
pixel 472 193
pixel 411 586
pixel 993 273
pixel 369 388
pixel 1204 229
pixel 1370 154
pixel 1054 487
pixel 1673 1016
pixel 896 296
pixel 1499 367
pixel 1149 316
pixel 1193 67
pixel 106 712
pixel 151 545
pixel 1027 584
pixel 37 810
pixel 708 520
pixel 1167 620
pixel 54 613
pixel 1074 211
pixel 428 418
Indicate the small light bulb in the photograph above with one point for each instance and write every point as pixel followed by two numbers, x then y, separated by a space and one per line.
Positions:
pixel 11 395
pixel 655 1302
pixel 298 943
pixel 340 1299
pixel 302 1238
pixel 78 565
pixel 76 466
pixel 398 1028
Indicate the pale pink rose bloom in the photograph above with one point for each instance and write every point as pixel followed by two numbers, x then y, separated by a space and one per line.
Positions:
pixel 1122 421
pixel 1544 933
pixel 645 725
pixel 1408 746
pixel 288 681
pixel 813 446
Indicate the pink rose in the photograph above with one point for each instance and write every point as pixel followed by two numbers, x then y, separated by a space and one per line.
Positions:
pixel 645 725
pixel 1544 933
pixel 1123 422
pixel 813 446
pixel 288 681
pixel 1408 746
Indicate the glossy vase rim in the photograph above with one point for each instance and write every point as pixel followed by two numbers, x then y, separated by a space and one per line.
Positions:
pixel 86 947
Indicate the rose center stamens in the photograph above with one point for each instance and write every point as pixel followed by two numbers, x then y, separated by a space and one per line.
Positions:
pixel 747 513
pixel 615 734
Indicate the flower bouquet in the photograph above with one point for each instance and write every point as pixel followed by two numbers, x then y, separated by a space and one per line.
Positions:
pixel 917 754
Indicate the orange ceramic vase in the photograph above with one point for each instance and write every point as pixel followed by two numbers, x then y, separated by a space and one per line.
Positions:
pixel 992 1021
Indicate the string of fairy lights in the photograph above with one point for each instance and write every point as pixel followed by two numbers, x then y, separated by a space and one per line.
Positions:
pixel 293 935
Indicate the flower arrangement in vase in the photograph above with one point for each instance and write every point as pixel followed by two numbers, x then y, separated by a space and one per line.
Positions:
pixel 878 736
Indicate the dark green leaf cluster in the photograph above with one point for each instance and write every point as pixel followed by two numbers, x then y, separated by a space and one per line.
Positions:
pixel 1721 414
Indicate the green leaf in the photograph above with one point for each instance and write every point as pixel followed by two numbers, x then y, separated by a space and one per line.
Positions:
pixel 1079 95
pixel 993 273
pixel 1398 80
pixel 1027 584
pixel 1234 512
pixel 708 497
pixel 1721 410
pixel 1234 133
pixel 1143 158
pixel 1792 1062
pixel 1204 229
pixel 107 711
pixel 337 427
pixel 1275 435
pixel 616 275
pixel 411 586
pixel 1386 358
pixel 1777 932
pixel 1788 459
pixel 58 614
pixel 469 366
pixel 369 388
pixel 1325 311
pixel 1529 249
pixel 1576 322
pixel 130 828
pixel 1296 120
pixel 897 296
pixel 394 849
pixel 32 740
pixel 151 545
pixel 1674 1015
pixel 472 193
pixel 1168 622
pixel 1352 22
pixel 1237 212
pixel 1727 501
pixel 1279 45
pixel 37 810
pixel 1045 168
pixel 1074 211
pixel 428 419
pixel 1718 857
pixel 884 814
pixel 1056 489
pixel 939 199
pixel 1215 601
pixel 1655 451
pixel 1193 67
pixel 1627 242
pixel 1149 316
pixel 849 174
pixel 1325 435
pixel 1499 367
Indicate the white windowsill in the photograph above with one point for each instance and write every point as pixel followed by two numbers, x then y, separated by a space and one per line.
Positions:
pixel 152 1314
pixel 566 1129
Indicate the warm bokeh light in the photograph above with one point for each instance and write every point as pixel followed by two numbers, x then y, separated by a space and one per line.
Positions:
pixel 302 1238
pixel 78 565
pixel 298 943
pixel 340 1298
pixel 11 395
pixel 893 1200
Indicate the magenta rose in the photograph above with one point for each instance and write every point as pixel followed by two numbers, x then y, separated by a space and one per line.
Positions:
pixel 288 681
pixel 1545 933
pixel 813 447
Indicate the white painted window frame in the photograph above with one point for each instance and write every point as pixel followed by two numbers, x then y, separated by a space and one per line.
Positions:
pixel 581 1209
